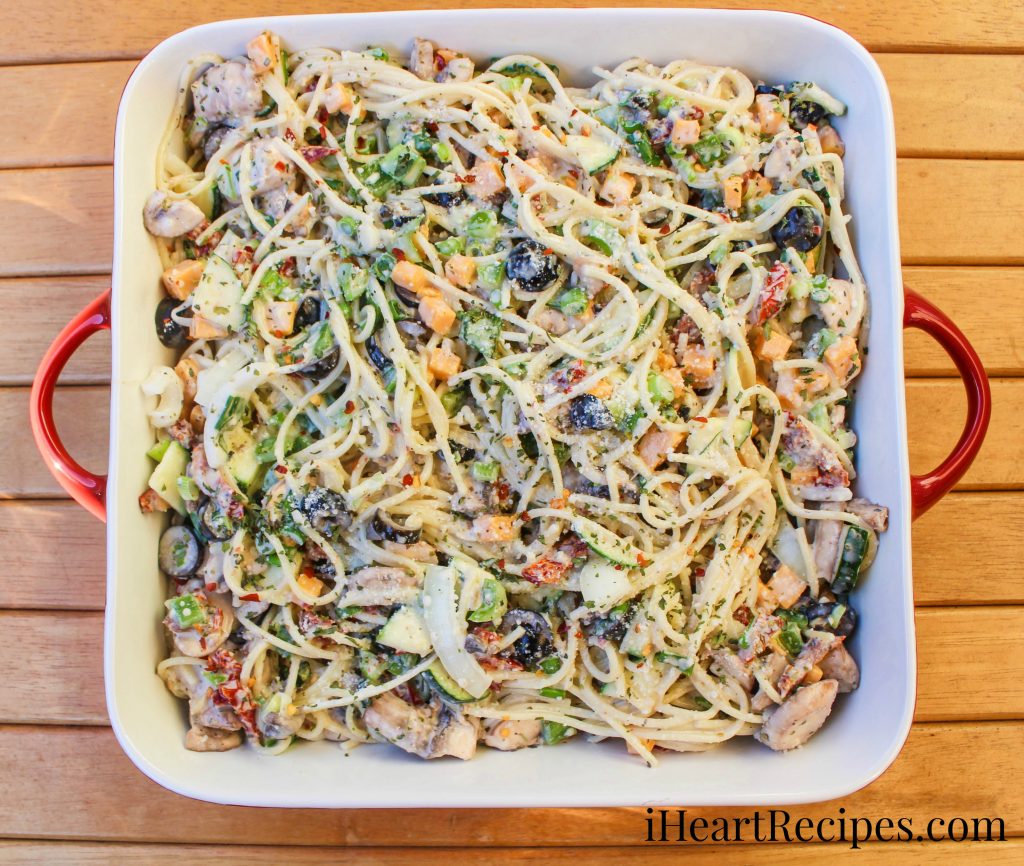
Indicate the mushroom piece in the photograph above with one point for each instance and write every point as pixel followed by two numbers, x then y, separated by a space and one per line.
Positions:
pixel 227 93
pixel 200 739
pixel 167 217
pixel 840 666
pixel 380 585
pixel 276 724
pixel 800 717
pixel 727 663
pixel 200 640
pixel 507 736
pixel 433 731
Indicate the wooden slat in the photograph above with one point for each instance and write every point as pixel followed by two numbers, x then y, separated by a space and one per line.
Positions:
pixel 56 221
pixel 55 556
pixel 69 210
pixel 981 92
pixel 82 419
pixel 963 677
pixel 42 35
pixel 77 127
pixel 935 415
pixel 965 551
pixel 999 342
pixel 54 300
pixel 44 305
pixel 933 230
pixel 59 682
pixel 1005 853
pixel 956 105
pixel 93 792
pixel 961 552
pixel 935 408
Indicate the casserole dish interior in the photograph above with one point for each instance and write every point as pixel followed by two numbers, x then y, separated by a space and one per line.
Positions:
pixel 867 728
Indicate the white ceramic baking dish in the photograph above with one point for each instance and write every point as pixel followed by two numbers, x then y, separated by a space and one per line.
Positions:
pixel 866 730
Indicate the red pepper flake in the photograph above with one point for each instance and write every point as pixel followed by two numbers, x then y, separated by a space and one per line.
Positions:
pixel 250 596
pixel 407 480
pixel 642 560
pixel 700 419
pixel 280 166
pixel 502 153
pixel 503 490
pixel 323 131
pixel 665 229
pixel 350 407
pixel 699 572
pixel 289 135
pixel 548 251
pixel 579 635
pixel 210 587
pixel 574 112
pixel 618 568
pixel 432 126
pixel 398 254
pixel 742 615
pixel 280 469
pixel 536 129
pixel 501 564
pixel 323 117
pixel 525 516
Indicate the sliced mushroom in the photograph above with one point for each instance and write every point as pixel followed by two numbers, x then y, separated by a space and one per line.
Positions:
pixel 227 93
pixel 200 739
pixel 429 731
pixel 200 641
pixel 840 666
pixel 167 217
pixel 799 717
pixel 513 734
pixel 381 586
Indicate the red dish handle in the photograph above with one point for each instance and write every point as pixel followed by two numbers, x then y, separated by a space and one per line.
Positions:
pixel 86 488
pixel 927 489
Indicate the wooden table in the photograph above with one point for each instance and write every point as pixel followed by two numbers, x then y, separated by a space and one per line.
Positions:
pixel 68 794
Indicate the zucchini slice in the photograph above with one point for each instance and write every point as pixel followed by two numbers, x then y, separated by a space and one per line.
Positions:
pixel 164 479
pixel 851 558
pixel 606 543
pixel 448 688
pixel 593 153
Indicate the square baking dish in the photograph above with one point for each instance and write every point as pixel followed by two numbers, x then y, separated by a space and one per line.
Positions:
pixel 867 728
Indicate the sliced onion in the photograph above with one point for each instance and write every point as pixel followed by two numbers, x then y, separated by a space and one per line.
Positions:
pixel 164 384
pixel 448 631
pixel 787 549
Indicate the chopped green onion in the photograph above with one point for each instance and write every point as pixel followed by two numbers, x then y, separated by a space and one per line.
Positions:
pixel 571 301
pixel 187 488
pixel 493 602
pixel 485 471
pixel 158 451
pixel 450 246
pixel 602 236
pixel 551 665
pixel 660 388
pixel 554 732
pixel 549 692
pixel 453 400
pixel 483 225
pixel 187 610
pixel 383 265
pixel 491 275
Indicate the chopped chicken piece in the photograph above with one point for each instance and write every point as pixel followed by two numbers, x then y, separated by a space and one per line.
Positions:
pixel 799 718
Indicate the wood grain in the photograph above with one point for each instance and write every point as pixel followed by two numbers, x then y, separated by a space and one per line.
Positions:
pixel 86 854
pixel 956 104
pixel 46 303
pixel 59 682
pixel 935 415
pixel 935 412
pixel 43 33
pixel 39 205
pixel 956 292
pixel 56 221
pixel 982 94
pixel 77 127
pixel 55 554
pixel 94 792
pixel 44 306
pixel 82 419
